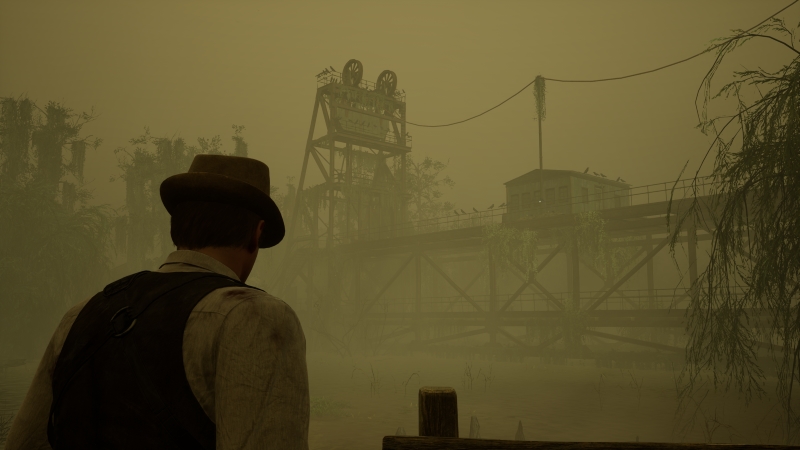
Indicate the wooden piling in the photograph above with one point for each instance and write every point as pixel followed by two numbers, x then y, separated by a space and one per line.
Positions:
pixel 520 436
pixel 474 428
pixel 438 412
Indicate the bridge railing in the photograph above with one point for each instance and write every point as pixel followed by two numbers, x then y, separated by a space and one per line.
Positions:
pixel 460 218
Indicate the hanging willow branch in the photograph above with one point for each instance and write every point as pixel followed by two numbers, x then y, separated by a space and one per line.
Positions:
pixel 538 94
pixel 747 295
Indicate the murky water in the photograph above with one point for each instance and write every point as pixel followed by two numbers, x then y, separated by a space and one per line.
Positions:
pixel 357 401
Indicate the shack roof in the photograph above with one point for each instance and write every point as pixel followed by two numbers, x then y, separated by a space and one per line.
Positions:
pixel 549 174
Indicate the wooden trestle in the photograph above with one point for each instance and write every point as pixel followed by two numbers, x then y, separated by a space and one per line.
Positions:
pixel 642 228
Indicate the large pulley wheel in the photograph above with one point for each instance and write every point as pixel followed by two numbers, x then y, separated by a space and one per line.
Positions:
pixel 353 70
pixel 387 83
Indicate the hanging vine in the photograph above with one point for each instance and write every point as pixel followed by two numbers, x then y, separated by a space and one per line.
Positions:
pixel 594 244
pixel 538 95
pixel 510 247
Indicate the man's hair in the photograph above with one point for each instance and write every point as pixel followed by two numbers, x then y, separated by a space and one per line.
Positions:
pixel 196 225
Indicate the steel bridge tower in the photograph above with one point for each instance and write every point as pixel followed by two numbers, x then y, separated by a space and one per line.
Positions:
pixel 357 183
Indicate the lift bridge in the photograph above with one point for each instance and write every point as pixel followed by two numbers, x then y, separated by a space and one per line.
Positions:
pixel 351 255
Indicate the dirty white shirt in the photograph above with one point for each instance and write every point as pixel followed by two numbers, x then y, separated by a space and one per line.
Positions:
pixel 245 358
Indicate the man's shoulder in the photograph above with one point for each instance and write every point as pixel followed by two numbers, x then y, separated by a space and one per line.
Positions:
pixel 226 299
pixel 244 293
pixel 72 313
pixel 64 327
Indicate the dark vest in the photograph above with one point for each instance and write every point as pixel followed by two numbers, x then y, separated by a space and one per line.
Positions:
pixel 119 382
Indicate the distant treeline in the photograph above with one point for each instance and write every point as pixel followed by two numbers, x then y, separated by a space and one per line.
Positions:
pixel 54 245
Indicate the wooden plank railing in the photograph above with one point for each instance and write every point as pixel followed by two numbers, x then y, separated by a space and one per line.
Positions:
pixel 438 430
pixel 440 443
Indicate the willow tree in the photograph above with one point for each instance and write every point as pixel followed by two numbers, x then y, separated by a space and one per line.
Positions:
pixel 54 244
pixel 746 303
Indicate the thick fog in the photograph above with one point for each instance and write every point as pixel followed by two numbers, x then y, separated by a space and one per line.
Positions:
pixel 190 70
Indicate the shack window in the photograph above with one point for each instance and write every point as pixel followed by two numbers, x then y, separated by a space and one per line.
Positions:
pixel 537 198
pixel 550 195
pixel 585 195
pixel 598 196
pixel 563 194
pixel 513 204
pixel 526 200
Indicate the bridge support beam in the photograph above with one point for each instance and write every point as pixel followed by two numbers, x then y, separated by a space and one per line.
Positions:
pixel 651 291
pixel 575 262
pixel 491 324
pixel 418 296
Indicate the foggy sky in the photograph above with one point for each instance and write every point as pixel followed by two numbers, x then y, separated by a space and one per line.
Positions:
pixel 192 69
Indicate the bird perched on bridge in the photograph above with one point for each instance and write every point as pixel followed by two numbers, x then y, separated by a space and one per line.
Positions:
pixel 602 175
pixel 596 174
pixel 455 211
pixel 473 208
pixel 463 212
pixel 587 170
pixel 501 205
pixel 620 179
pixel 490 207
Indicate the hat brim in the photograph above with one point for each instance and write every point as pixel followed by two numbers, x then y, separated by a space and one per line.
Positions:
pixel 210 187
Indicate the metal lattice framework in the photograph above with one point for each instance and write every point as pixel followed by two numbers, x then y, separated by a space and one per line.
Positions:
pixel 359 155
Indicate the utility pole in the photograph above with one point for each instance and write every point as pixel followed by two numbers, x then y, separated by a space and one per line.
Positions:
pixel 541 163
pixel 538 93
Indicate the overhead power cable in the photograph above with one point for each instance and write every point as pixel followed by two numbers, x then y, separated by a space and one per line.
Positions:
pixel 557 80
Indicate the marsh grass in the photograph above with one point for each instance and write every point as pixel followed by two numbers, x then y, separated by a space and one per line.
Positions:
pixel 488 377
pixel 405 383
pixel 373 377
pixel 636 384
pixel 467 379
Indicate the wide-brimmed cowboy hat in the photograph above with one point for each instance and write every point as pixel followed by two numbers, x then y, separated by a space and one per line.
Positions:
pixel 232 180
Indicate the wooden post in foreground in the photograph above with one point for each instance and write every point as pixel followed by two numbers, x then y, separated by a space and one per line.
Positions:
pixel 438 412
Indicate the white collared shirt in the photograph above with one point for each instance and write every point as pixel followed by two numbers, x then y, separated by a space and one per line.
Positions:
pixel 244 356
